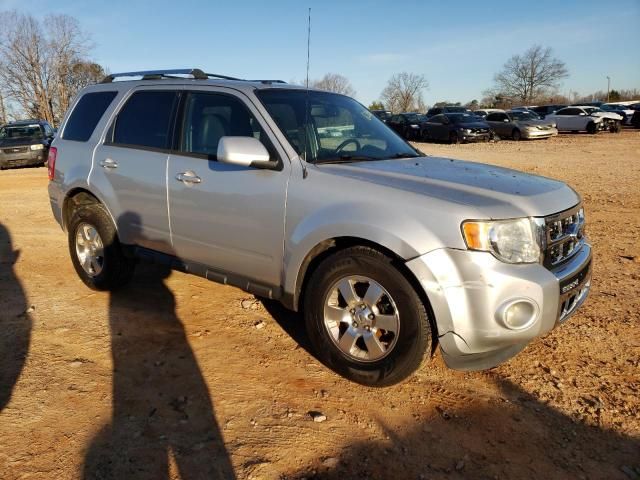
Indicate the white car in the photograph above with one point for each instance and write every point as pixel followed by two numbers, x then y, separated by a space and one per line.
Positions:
pixel 611 121
pixel 626 112
pixel 576 119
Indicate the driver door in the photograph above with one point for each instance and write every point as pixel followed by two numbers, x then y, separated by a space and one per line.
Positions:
pixel 227 217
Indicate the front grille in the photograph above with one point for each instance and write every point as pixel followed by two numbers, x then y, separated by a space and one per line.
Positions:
pixel 15 150
pixel 564 236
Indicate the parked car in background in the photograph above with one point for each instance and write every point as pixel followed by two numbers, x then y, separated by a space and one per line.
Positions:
pixel 456 128
pixel 408 125
pixel 587 104
pixel 24 143
pixel 383 115
pixel 635 119
pixel 576 119
pixel 544 110
pixel 446 109
pixel 519 124
pixel 622 110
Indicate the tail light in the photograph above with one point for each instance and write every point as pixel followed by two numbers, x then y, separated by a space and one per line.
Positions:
pixel 51 162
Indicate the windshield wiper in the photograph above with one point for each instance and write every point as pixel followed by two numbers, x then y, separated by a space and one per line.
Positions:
pixel 347 159
pixel 407 155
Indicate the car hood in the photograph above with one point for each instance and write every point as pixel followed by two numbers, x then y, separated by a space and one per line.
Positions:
pixel 533 123
pixel 19 142
pixel 611 115
pixel 495 192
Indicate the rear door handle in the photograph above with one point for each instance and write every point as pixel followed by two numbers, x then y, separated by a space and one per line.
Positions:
pixel 108 163
pixel 188 177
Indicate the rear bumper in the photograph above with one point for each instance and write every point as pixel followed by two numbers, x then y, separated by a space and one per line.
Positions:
pixel 469 290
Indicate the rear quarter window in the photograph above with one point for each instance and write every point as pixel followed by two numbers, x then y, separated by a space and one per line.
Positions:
pixel 86 115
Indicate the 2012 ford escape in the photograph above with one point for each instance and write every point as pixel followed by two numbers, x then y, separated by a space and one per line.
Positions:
pixel 306 197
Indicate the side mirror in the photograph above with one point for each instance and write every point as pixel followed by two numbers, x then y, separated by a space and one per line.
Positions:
pixel 244 151
pixel 583 114
pixel 506 120
pixel 446 121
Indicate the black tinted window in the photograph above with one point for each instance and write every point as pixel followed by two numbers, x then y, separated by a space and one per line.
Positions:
pixel 494 117
pixel 145 120
pixel 86 115
pixel 208 117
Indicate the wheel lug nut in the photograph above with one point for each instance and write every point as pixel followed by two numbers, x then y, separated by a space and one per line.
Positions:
pixel 355 324
pixel 371 316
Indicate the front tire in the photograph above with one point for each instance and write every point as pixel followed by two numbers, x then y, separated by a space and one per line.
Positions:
pixel 516 135
pixel 95 250
pixel 454 139
pixel 364 318
pixel 592 128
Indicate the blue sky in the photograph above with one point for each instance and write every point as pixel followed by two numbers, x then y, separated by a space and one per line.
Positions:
pixel 457 45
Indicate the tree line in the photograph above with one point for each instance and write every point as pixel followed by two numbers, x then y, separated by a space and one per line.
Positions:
pixel 42 66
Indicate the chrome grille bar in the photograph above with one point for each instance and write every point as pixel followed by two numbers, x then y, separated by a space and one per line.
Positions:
pixel 564 235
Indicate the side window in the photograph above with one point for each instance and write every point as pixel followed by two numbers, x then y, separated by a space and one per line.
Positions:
pixel 145 120
pixel 493 117
pixel 86 115
pixel 565 111
pixel 437 119
pixel 209 116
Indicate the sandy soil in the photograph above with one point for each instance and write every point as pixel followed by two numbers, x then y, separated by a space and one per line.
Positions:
pixel 177 377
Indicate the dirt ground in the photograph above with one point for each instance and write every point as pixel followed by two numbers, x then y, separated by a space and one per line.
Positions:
pixel 177 377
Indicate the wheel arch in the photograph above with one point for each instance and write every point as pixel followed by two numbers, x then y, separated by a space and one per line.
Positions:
pixel 76 197
pixel 330 246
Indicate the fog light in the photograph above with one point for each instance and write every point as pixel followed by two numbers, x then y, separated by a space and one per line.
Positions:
pixel 517 314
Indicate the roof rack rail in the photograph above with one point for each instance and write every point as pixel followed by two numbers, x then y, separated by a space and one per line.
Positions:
pixel 267 81
pixel 196 73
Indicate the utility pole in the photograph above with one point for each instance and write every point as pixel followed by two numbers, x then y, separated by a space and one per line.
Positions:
pixel 608 85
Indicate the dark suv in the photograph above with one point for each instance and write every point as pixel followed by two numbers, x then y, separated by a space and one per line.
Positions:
pixel 408 125
pixel 383 115
pixel 24 143
pixel 446 109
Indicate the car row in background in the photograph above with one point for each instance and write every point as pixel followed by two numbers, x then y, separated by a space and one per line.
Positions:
pixel 25 143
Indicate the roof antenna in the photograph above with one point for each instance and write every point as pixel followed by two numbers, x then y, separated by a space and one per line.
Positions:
pixel 306 107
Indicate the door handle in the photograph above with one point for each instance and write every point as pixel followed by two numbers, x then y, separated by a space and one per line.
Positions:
pixel 108 163
pixel 188 177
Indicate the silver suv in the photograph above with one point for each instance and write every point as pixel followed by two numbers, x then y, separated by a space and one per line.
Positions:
pixel 305 197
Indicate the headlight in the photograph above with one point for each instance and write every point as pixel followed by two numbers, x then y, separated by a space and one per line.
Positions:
pixel 466 130
pixel 414 126
pixel 511 241
pixel 37 146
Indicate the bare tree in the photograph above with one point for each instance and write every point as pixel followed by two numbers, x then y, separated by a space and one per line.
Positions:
pixel 334 82
pixel 42 68
pixel 403 92
pixel 530 75
pixel 3 111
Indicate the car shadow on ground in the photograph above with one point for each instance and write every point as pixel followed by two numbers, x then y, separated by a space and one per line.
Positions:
pixel 15 320
pixel 162 407
pixel 512 436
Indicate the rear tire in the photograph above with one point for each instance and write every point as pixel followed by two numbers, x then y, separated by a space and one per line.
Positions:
pixel 372 342
pixel 96 252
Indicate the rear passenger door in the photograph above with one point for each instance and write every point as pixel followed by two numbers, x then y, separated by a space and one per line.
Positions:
pixel 130 167
pixel 227 218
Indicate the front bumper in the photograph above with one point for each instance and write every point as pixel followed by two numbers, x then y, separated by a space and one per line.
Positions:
pixel 531 134
pixel 21 158
pixel 468 289
pixel 475 137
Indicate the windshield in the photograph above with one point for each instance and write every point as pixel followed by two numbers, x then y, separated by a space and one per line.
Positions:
pixel 457 118
pixel 333 128
pixel 21 131
pixel 519 115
